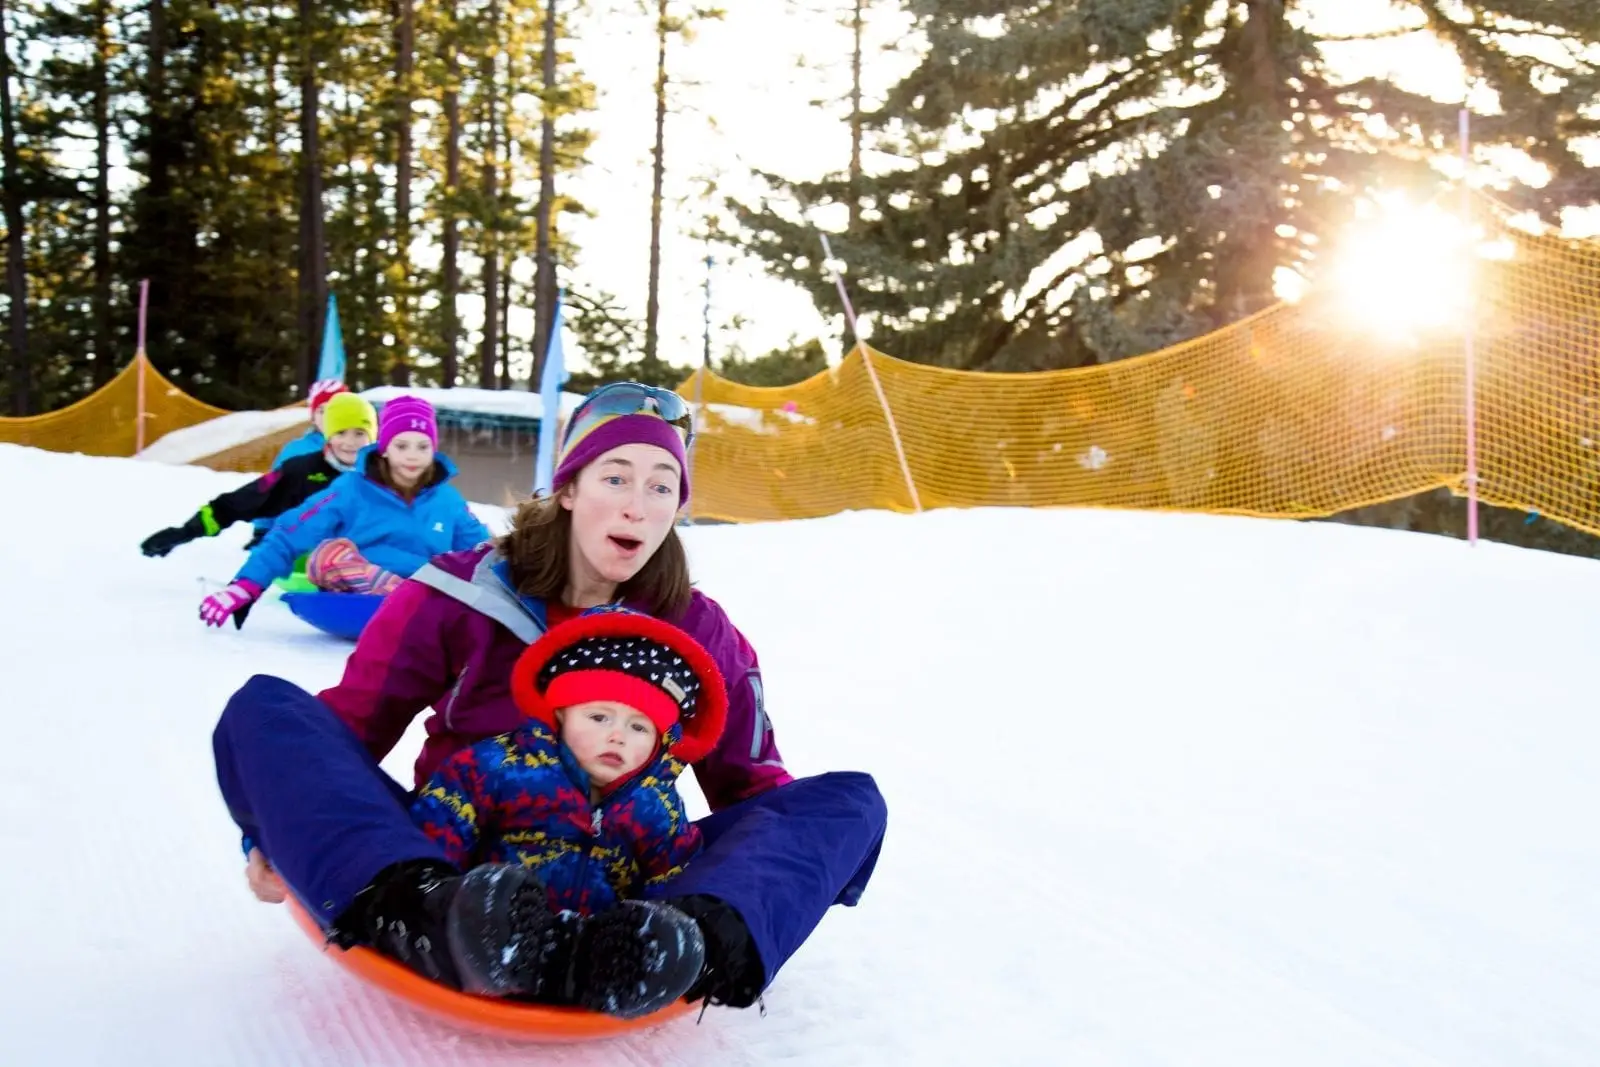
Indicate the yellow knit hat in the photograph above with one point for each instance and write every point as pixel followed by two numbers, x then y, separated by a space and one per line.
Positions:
pixel 347 411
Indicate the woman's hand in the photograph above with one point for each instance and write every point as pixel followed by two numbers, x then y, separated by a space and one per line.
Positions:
pixel 264 881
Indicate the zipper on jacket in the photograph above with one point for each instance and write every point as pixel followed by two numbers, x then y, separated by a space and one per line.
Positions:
pixel 597 822
pixel 596 817
pixel 455 693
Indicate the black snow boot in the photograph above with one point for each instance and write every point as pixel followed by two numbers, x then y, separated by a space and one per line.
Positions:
pixel 487 931
pixel 508 939
pixel 636 958
pixel 733 975
pixel 628 961
pixel 403 914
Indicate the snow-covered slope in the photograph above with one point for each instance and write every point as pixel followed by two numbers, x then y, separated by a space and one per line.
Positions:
pixel 1162 789
pixel 223 432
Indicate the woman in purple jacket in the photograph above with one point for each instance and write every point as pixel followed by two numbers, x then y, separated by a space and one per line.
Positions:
pixel 300 773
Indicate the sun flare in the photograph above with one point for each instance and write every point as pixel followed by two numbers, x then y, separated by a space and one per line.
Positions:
pixel 1401 270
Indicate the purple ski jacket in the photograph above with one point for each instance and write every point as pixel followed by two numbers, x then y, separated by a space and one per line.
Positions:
pixel 446 638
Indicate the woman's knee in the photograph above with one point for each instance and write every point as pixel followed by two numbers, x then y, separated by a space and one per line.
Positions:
pixel 856 788
pixel 262 699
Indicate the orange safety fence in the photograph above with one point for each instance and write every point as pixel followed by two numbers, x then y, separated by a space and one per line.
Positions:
pixel 1303 410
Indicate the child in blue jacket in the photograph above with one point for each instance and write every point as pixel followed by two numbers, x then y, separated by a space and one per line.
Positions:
pixel 584 795
pixel 371 528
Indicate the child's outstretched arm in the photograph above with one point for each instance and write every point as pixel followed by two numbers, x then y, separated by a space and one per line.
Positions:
pixel 274 557
pixel 456 806
pixel 295 534
pixel 246 502
pixel 291 482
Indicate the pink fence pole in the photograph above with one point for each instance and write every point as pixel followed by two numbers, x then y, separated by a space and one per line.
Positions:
pixel 139 360
pixel 1470 312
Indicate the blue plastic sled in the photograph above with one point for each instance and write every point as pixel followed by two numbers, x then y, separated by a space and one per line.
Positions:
pixel 340 614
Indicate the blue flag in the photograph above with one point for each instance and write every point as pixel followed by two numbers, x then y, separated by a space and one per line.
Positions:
pixel 555 374
pixel 331 366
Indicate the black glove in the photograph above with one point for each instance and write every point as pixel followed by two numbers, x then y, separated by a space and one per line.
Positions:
pixel 163 541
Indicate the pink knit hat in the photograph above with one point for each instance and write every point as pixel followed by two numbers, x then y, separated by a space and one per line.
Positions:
pixel 407 414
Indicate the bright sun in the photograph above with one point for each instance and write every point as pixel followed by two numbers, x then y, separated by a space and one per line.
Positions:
pixel 1401 270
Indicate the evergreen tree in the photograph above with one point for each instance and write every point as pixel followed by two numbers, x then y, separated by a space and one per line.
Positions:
pixel 1091 179
pixel 670 22
pixel 278 152
pixel 789 365
pixel 611 345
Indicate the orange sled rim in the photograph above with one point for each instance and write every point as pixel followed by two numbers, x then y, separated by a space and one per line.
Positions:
pixel 485 1015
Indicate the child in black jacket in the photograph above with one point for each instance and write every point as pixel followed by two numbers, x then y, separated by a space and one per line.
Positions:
pixel 349 425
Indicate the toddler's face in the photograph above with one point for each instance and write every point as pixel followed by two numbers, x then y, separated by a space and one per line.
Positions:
pixel 610 740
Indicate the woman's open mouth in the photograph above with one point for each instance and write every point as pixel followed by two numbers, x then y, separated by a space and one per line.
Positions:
pixel 626 545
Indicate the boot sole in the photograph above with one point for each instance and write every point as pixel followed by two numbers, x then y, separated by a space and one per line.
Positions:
pixel 676 962
pixel 479 927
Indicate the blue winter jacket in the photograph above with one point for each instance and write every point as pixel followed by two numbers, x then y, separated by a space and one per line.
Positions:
pixel 395 535
pixel 307 443
pixel 522 798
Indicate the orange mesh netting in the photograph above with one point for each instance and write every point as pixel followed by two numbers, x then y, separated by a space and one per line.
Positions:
pixel 1299 411
pixel 105 422
pixel 1303 410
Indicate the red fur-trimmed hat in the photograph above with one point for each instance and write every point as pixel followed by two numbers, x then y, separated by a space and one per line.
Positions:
pixel 612 653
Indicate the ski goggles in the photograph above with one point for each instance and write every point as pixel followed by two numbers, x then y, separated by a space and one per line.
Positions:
pixel 630 398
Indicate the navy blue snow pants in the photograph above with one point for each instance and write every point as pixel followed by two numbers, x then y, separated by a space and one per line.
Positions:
pixel 304 789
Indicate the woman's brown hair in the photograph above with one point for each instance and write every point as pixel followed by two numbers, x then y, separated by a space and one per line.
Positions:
pixel 539 549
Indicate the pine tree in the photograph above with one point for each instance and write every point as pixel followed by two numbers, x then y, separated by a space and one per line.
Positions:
pixel 12 198
pixel 669 24
pixel 1091 179
pixel 611 343
pixel 400 272
pixel 250 130
pixel 791 364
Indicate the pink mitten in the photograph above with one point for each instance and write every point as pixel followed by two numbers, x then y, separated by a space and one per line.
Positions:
pixel 234 600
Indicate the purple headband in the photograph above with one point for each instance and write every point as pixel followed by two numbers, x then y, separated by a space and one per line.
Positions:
pixel 622 430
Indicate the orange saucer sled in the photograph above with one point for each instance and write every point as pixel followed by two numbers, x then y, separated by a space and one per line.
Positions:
pixel 485 1015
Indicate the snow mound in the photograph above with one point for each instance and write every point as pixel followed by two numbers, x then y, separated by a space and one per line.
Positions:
pixel 223 432
pixel 1163 789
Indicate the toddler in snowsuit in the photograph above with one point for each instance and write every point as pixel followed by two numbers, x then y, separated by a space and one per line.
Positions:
pixel 349 423
pixel 584 794
pixel 373 527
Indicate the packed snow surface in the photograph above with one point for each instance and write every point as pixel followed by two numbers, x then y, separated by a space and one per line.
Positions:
pixel 1163 790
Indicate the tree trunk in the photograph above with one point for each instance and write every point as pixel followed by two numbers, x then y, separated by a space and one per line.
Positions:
pixel 505 322
pixel 855 117
pixel 658 174
pixel 102 195
pixel 16 245
pixel 491 196
pixel 450 270
pixel 1245 277
pixel 313 251
pixel 157 225
pixel 544 283
pixel 405 45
